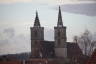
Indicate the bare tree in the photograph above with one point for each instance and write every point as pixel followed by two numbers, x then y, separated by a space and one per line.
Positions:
pixel 92 47
pixel 86 42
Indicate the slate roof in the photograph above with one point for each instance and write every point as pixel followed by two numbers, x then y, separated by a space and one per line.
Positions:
pixel 73 50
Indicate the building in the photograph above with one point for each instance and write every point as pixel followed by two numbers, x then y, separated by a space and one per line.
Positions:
pixel 59 50
pixel 51 52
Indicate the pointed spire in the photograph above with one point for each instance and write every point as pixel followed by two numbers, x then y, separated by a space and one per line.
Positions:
pixel 60 22
pixel 37 23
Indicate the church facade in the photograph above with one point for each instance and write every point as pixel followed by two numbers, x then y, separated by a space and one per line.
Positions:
pixel 38 42
pixel 59 50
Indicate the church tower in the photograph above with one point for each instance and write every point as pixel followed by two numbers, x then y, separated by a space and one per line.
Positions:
pixel 37 36
pixel 60 37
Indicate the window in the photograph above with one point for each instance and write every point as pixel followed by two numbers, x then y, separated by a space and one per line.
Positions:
pixel 35 33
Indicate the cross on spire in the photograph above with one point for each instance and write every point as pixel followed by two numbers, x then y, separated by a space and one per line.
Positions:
pixel 37 23
pixel 60 22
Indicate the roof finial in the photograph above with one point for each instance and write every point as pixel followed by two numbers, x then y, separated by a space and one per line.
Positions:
pixel 37 23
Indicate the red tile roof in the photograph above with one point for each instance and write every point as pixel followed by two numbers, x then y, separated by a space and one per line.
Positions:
pixel 10 62
pixel 92 60
pixel 40 61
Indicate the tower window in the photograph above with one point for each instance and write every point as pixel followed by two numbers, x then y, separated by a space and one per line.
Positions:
pixel 58 37
pixel 58 34
pixel 35 34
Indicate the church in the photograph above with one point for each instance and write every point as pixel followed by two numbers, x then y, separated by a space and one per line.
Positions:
pixel 59 51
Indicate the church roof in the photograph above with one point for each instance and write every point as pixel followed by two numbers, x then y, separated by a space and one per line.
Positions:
pixel 60 22
pixel 37 23
pixel 73 49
